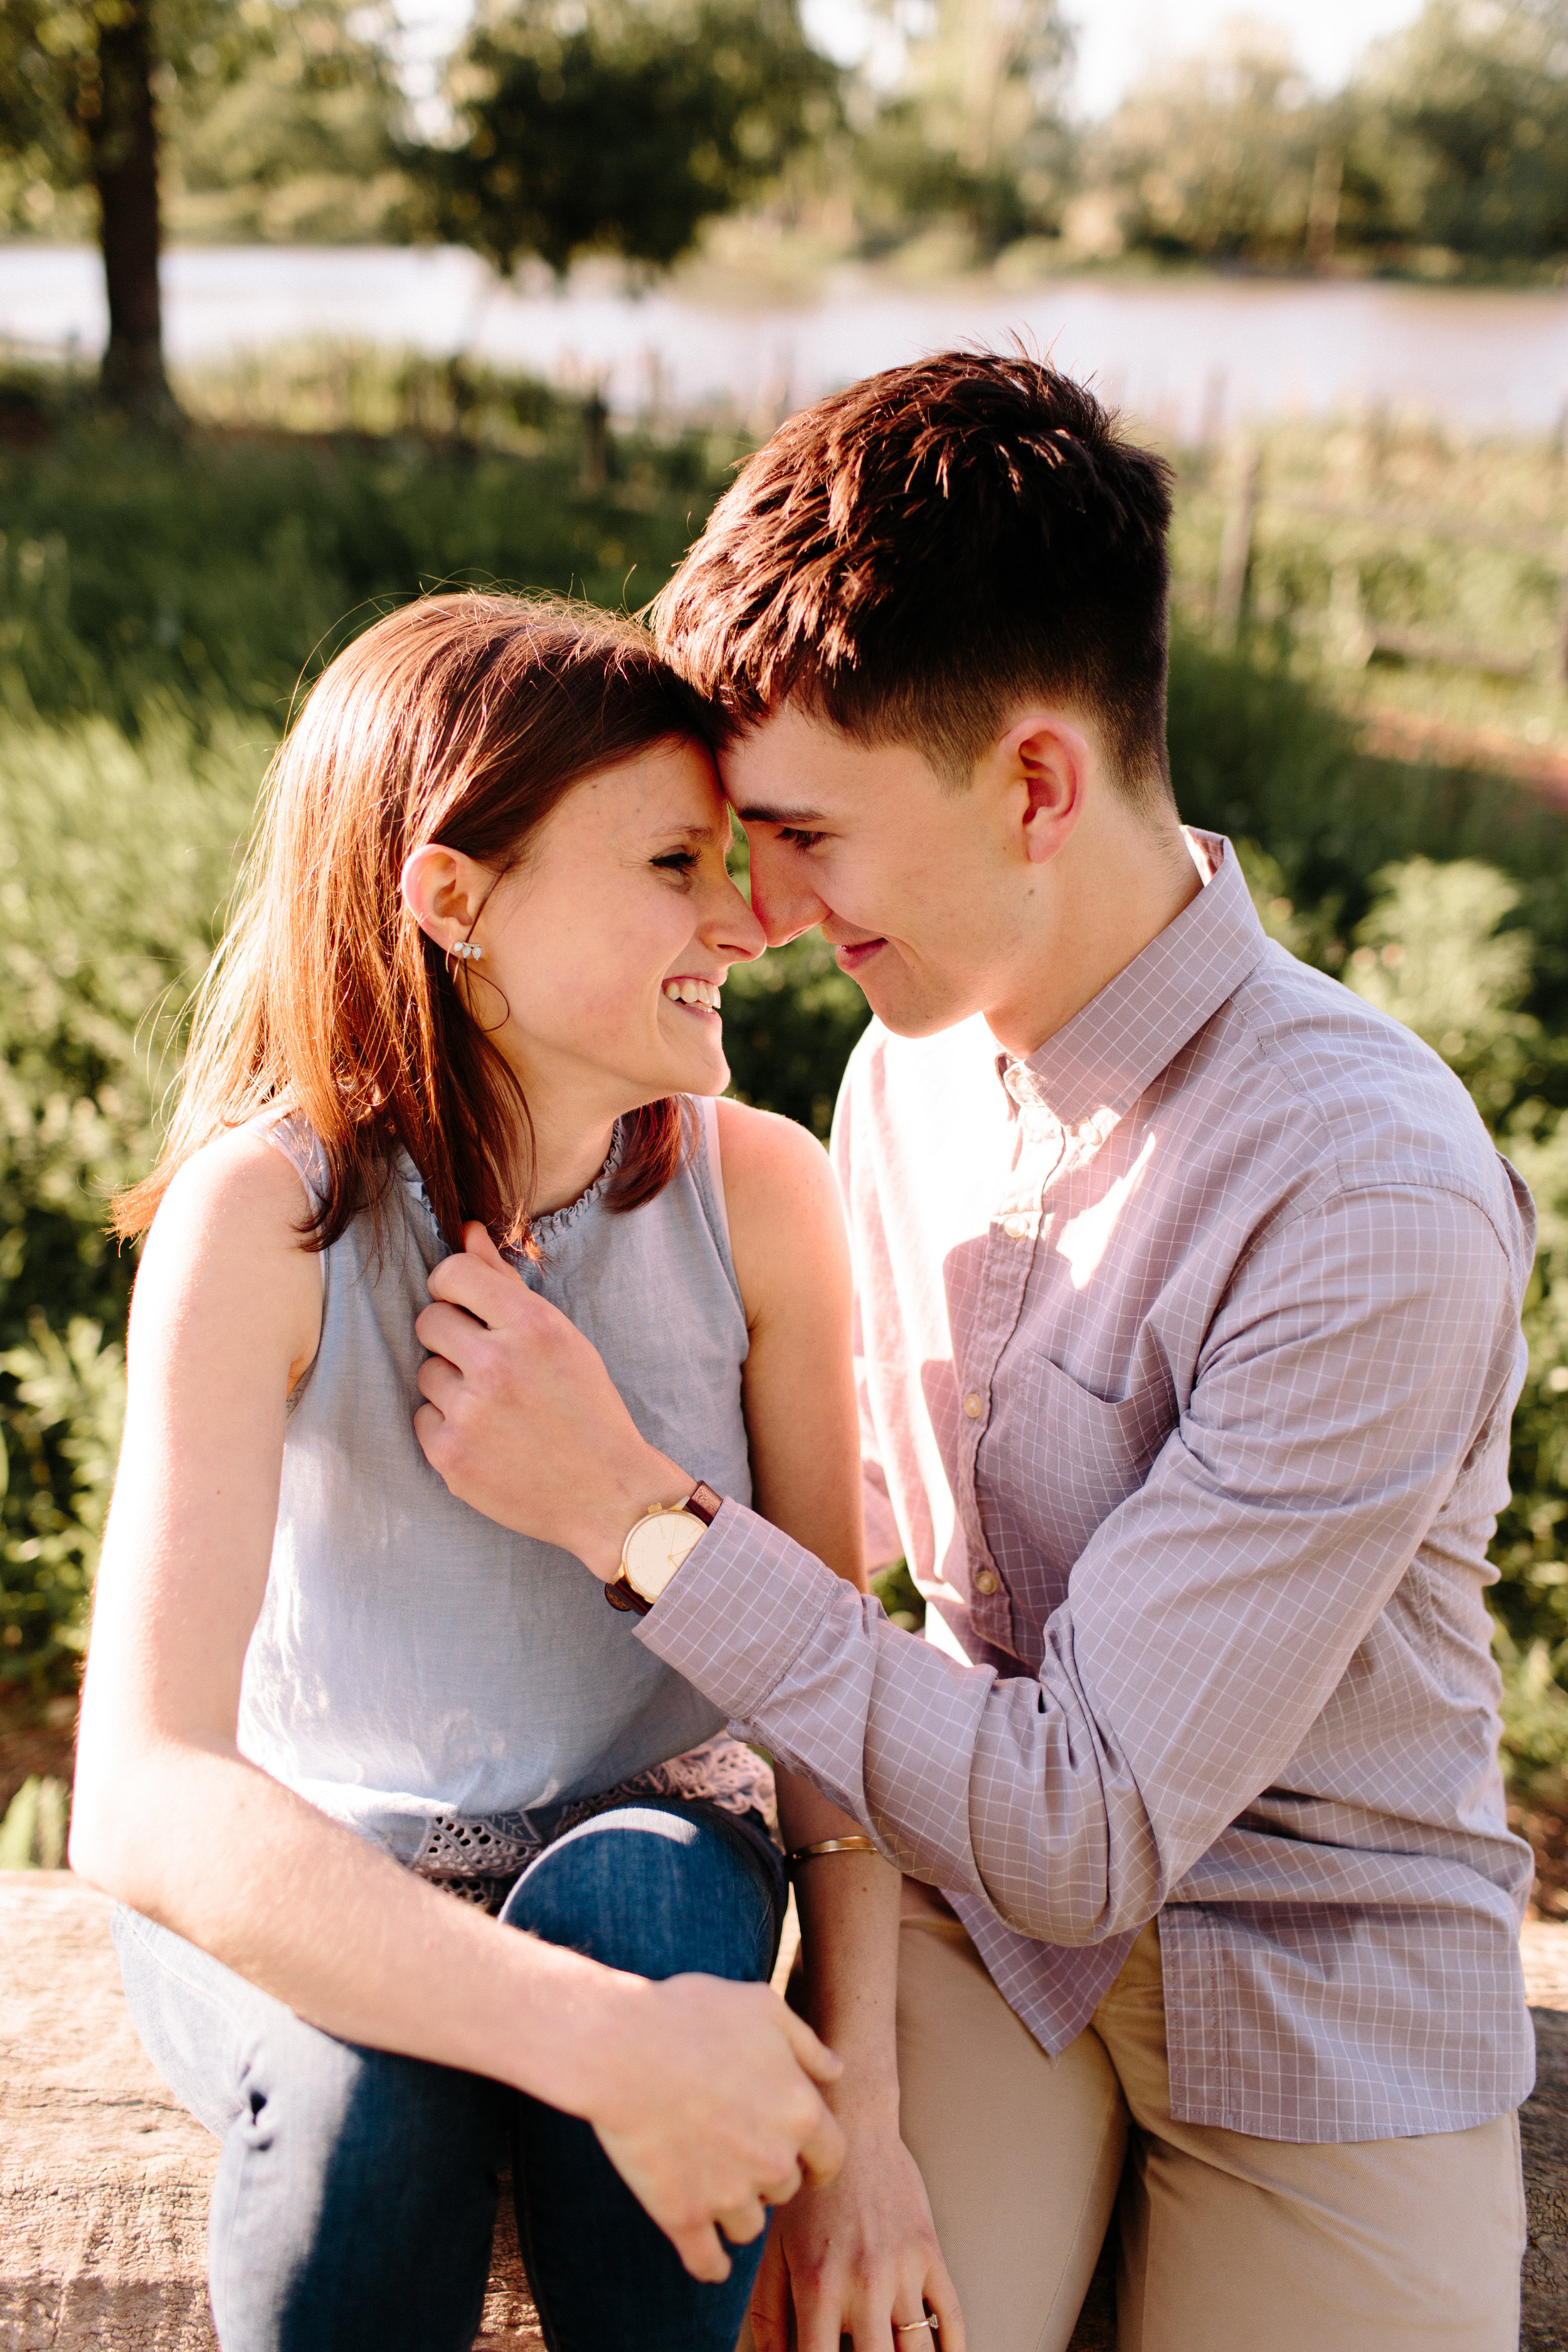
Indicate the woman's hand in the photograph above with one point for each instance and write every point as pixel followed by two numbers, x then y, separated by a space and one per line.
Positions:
pixel 705 2100
pixel 858 2257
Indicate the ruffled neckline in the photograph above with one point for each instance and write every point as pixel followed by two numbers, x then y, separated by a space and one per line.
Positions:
pixel 559 1221
pixel 541 1230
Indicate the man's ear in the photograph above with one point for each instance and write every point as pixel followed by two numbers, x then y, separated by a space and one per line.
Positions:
pixel 1045 760
pixel 444 892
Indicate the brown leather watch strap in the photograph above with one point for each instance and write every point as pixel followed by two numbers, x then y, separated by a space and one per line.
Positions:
pixel 702 1504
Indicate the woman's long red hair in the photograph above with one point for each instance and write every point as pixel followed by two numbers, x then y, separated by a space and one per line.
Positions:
pixel 461 720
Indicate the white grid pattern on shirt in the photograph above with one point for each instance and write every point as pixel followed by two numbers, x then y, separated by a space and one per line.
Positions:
pixel 1237 1320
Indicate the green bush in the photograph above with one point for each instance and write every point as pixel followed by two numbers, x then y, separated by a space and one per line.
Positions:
pixel 217 575
pixel 115 857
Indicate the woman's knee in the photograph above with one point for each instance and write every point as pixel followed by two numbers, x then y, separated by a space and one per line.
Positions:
pixel 656 1889
pixel 355 2199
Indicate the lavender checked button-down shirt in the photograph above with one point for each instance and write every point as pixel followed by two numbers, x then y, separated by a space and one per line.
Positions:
pixel 1189 1351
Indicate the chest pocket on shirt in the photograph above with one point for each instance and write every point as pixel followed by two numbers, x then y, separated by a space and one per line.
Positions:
pixel 1057 1459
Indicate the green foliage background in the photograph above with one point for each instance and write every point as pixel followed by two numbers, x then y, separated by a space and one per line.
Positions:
pixel 158 607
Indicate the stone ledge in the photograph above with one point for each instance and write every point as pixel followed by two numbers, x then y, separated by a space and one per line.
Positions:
pixel 104 2177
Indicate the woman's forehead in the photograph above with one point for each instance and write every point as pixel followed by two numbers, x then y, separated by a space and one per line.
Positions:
pixel 668 785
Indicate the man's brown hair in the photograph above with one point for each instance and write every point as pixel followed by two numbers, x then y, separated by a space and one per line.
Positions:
pixel 913 557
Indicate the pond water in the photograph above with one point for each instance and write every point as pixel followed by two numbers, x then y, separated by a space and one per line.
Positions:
pixel 1191 353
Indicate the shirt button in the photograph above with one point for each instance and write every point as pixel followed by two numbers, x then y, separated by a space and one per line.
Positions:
pixel 985 1582
pixel 1015 1228
pixel 975 1404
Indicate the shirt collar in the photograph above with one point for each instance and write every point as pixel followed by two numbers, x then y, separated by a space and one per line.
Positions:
pixel 1105 1057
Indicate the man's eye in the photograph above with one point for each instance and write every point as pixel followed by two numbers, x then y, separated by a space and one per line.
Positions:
pixel 799 840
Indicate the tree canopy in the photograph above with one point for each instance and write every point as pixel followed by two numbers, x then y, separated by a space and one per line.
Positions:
pixel 251 95
pixel 1449 148
pixel 615 128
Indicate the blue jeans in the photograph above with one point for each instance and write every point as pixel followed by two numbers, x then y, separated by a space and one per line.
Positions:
pixel 356 2196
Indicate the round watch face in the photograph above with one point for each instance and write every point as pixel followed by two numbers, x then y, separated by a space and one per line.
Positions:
pixel 655 1548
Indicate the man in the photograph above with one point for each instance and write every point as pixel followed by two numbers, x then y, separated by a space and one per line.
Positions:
pixel 1189 1291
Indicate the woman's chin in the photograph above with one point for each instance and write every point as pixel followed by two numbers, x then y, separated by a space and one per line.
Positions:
pixel 701 1069
pixel 703 1074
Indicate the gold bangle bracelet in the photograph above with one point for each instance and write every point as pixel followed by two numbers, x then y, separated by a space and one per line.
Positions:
pixel 831 1845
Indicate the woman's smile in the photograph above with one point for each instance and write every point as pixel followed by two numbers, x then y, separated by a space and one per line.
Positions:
pixel 692 995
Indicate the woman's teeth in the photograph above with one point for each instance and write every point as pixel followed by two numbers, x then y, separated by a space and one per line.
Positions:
pixel 693 992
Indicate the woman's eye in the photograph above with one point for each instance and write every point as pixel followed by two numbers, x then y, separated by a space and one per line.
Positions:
pixel 799 840
pixel 677 861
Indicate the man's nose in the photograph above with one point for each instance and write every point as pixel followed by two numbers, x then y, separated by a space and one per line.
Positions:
pixel 782 901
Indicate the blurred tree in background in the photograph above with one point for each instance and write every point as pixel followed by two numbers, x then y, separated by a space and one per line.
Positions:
pixel 1462 131
pixel 626 126
pixel 973 133
pixel 1448 149
pixel 113 101
pixel 1215 158
pixel 290 126
pixel 613 127
pixel 77 109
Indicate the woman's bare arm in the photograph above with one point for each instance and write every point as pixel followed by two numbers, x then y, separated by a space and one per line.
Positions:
pixel 854 2256
pixel 170 1818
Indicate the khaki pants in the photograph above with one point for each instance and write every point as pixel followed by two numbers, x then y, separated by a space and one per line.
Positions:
pixel 1228 2244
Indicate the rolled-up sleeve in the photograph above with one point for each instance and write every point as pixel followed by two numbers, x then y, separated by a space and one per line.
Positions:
pixel 1208 1620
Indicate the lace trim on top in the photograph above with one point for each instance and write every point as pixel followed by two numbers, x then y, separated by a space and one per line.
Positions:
pixel 540 1228
pixel 557 1220
pixel 480 1859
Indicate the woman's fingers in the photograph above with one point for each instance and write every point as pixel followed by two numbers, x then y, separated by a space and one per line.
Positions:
pixel 941 2298
pixel 815 2056
pixel 702 2113
pixel 821 2156
pixel 477 1243
pixel 741 2223
pixel 770 2300
pixel 702 2252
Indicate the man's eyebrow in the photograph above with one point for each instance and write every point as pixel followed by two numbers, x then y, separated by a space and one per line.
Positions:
pixel 803 817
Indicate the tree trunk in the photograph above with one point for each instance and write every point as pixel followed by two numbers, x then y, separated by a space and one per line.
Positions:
pixel 123 138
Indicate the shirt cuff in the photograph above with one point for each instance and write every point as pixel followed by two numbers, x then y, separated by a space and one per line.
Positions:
pixel 739 1611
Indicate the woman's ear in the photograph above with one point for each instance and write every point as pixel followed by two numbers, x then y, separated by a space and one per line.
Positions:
pixel 444 892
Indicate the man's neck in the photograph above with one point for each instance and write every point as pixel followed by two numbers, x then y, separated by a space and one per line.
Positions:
pixel 1104 898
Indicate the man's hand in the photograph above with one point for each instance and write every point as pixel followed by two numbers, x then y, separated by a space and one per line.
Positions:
pixel 706 2107
pixel 523 1421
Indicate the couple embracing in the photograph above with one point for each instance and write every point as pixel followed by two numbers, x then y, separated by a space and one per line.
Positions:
pixel 1166 1876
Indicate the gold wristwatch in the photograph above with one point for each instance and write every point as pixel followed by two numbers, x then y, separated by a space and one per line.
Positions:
pixel 656 1547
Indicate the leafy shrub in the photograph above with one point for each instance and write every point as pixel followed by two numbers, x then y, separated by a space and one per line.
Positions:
pixel 215 576
pixel 114 856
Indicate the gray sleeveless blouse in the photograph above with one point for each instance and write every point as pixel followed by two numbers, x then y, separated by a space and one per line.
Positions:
pixel 415 1667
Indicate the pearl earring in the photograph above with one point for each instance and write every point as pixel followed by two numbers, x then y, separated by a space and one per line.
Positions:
pixel 465 952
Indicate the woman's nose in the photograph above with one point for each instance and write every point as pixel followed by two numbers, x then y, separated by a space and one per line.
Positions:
pixel 735 930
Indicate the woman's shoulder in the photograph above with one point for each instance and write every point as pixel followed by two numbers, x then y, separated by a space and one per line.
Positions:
pixel 762 1149
pixel 226 1243
pixel 248 1172
pixel 785 1221
pixel 238 1202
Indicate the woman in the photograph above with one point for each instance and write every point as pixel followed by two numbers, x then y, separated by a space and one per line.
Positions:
pixel 475 974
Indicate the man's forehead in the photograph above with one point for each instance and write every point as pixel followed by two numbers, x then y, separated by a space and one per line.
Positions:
pixel 797 771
